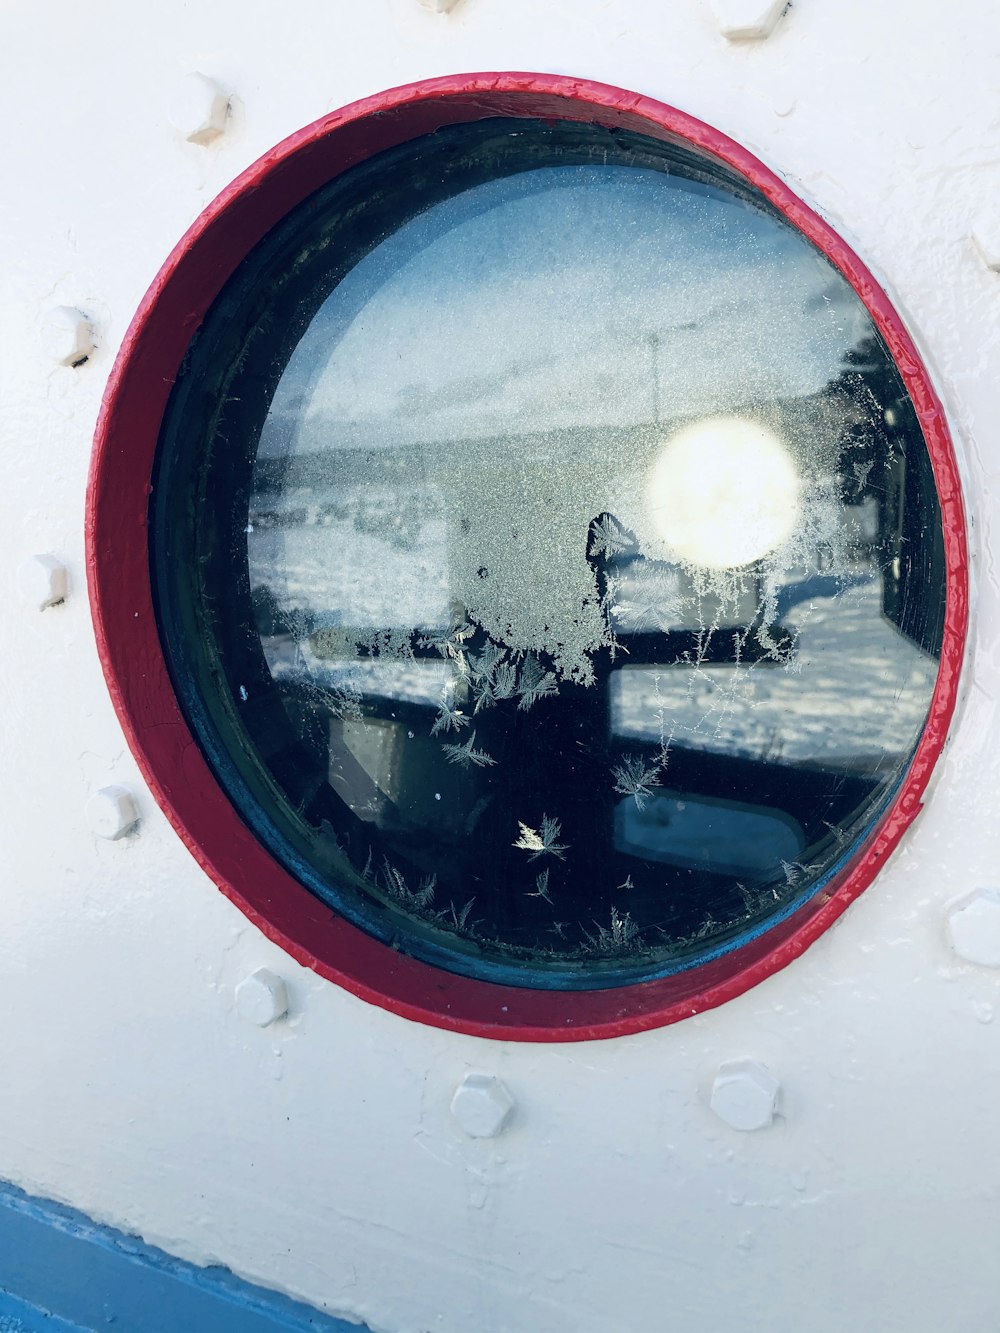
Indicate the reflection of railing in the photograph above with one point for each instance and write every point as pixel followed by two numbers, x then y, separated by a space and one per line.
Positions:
pixel 776 782
pixel 719 646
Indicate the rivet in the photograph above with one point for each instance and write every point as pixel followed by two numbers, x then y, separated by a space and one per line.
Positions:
pixel 111 812
pixel 68 335
pixel 747 20
pixel 198 109
pixel 43 581
pixel 262 998
pixel 745 1095
pixel 482 1105
pixel 974 927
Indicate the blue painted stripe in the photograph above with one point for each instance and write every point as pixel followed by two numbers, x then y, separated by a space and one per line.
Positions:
pixel 19 1317
pixel 60 1272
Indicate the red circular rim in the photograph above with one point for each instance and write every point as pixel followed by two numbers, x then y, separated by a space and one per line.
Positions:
pixel 125 623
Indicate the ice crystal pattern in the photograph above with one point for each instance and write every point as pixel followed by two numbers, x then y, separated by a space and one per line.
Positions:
pixel 460 916
pixel 635 778
pixel 608 538
pixel 418 900
pixel 449 718
pixel 541 889
pixel 543 841
pixel 467 756
pixel 535 683
pixel 622 935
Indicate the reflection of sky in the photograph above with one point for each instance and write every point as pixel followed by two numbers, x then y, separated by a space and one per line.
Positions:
pixel 563 296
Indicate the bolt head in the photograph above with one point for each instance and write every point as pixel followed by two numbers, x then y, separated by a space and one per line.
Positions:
pixel 198 109
pixel 43 581
pixel 745 1095
pixel 747 20
pixel 111 812
pixel 262 998
pixel 974 927
pixel 68 335
pixel 482 1105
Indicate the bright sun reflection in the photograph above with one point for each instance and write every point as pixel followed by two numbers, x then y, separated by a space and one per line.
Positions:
pixel 723 492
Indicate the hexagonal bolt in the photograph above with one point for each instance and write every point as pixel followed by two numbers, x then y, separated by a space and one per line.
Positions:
pixel 43 581
pixel 111 812
pixel 482 1105
pixel 974 927
pixel 747 20
pixel 262 998
pixel 440 6
pixel 745 1095
pixel 68 336
pixel 198 109
pixel 986 238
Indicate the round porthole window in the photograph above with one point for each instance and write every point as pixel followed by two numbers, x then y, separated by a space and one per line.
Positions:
pixel 527 557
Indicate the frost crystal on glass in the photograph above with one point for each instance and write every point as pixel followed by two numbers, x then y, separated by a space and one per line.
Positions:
pixel 581 602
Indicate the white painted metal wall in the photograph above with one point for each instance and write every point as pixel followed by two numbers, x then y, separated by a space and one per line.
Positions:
pixel 319 1155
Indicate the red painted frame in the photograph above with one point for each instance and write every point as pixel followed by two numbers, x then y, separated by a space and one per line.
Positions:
pixel 128 639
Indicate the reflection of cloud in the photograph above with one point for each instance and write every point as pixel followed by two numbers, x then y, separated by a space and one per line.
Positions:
pixel 420 399
pixel 571 295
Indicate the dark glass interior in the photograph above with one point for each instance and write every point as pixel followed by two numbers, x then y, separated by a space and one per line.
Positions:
pixel 547 554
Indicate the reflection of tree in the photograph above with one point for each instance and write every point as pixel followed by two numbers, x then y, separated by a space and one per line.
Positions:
pixel 864 388
pixel 866 357
pixel 272 617
pixel 269 615
pixel 884 457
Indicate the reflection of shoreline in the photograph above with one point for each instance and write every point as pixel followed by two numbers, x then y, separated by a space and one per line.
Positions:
pixel 311 450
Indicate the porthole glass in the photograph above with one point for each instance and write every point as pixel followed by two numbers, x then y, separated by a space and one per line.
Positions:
pixel 546 554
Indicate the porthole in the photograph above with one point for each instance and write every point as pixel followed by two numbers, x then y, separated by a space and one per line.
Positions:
pixel 544 564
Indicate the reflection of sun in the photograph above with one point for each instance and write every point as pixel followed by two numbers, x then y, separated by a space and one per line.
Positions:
pixel 723 492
